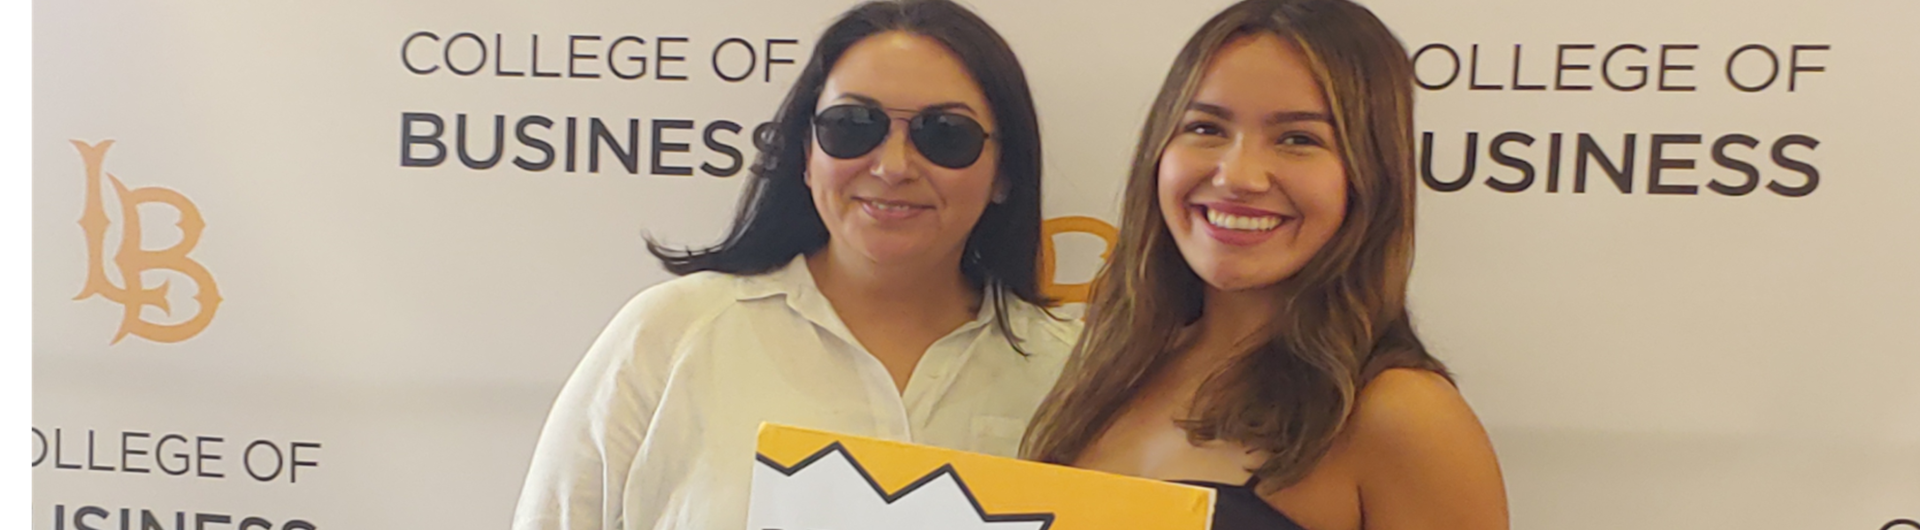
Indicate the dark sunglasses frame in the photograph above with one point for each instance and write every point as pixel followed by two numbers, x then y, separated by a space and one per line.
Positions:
pixel 839 137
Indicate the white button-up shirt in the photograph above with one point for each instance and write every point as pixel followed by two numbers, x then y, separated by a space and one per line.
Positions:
pixel 657 426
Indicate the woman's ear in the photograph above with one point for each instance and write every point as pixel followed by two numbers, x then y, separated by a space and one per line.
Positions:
pixel 806 156
pixel 806 165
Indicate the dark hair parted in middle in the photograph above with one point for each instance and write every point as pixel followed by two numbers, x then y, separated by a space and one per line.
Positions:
pixel 777 220
pixel 1344 318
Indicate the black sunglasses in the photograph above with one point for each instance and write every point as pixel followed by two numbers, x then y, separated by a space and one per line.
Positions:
pixel 949 140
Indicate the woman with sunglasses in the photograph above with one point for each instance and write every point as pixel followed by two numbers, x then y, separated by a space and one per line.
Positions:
pixel 1251 333
pixel 879 280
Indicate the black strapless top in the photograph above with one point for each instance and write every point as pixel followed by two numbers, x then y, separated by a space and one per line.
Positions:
pixel 1239 508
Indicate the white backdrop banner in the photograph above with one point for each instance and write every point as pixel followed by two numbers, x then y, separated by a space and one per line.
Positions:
pixel 324 265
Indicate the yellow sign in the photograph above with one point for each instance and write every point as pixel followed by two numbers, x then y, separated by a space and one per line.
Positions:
pixel 816 480
pixel 132 260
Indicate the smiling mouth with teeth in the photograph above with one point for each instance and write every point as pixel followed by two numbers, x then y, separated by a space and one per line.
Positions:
pixel 890 206
pixel 1243 223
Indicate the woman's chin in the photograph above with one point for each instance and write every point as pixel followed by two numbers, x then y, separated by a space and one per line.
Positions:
pixel 1233 280
pixel 889 250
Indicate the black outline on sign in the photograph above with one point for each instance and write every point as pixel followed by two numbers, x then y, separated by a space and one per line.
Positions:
pixel 1045 519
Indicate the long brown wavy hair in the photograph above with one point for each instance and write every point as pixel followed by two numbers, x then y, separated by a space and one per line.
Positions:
pixel 1344 319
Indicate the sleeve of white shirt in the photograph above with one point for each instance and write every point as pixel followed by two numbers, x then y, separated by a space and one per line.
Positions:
pixel 579 470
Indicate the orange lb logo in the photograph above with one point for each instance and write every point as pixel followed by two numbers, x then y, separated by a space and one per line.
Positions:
pixel 1070 293
pixel 132 260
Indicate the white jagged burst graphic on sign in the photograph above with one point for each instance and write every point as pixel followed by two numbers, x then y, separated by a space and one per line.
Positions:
pixel 831 491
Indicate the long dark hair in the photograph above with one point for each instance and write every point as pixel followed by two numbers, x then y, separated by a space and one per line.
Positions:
pixel 1346 319
pixel 777 220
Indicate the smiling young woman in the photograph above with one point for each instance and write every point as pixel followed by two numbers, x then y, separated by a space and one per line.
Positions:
pixel 1251 332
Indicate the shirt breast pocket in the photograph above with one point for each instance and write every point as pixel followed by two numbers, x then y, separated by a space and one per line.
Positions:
pixel 998 435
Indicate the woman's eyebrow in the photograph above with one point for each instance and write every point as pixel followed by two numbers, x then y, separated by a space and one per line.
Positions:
pixel 1278 117
pixel 1209 108
pixel 870 101
pixel 1290 116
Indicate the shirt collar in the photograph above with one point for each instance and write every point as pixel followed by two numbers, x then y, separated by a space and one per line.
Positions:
pixel 795 282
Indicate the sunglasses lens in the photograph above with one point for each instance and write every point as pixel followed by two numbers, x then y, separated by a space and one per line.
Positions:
pixel 951 141
pixel 848 131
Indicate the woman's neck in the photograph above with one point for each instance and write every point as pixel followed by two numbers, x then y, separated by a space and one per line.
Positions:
pixel 1232 321
pixel 927 290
